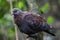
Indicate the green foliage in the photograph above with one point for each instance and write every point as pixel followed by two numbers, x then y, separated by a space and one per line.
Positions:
pixel 11 31
pixel 49 19
pixel 8 17
pixel 20 4
pixel 4 7
pixel 44 7
pixel 59 2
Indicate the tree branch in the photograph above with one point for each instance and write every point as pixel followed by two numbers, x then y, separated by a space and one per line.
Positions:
pixel 11 6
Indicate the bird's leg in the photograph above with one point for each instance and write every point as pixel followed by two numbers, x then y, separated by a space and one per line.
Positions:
pixel 32 36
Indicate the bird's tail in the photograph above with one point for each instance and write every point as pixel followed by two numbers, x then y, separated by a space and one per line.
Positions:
pixel 50 33
pixel 48 29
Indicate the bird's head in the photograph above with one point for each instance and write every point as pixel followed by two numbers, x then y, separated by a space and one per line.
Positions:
pixel 16 11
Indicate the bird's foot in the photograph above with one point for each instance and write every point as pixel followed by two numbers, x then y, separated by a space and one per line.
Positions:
pixel 32 36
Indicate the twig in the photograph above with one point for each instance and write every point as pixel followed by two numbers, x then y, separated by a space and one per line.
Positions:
pixel 11 6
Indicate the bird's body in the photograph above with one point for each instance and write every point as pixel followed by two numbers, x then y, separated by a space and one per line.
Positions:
pixel 30 23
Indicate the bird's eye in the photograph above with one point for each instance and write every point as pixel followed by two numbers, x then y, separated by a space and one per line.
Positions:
pixel 16 12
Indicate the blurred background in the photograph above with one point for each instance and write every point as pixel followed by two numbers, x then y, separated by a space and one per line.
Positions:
pixel 50 11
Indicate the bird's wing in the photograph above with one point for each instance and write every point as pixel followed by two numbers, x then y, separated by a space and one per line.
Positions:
pixel 37 23
pixel 33 20
pixel 25 28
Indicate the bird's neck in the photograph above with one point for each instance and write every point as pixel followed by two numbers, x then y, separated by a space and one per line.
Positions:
pixel 25 13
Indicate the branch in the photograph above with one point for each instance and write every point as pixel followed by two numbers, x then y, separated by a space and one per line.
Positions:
pixel 11 6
